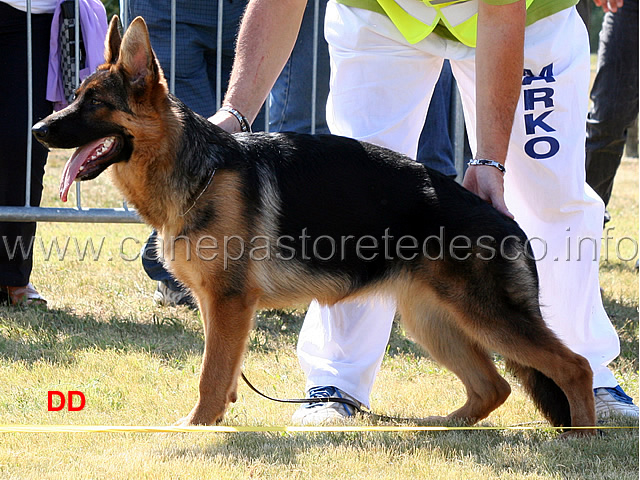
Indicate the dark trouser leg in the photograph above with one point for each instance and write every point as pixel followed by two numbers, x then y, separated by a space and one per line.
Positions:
pixel 615 97
pixel 15 267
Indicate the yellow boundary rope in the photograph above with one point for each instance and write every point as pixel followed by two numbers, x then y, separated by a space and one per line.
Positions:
pixel 271 429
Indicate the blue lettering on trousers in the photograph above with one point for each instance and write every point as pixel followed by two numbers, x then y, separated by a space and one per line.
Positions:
pixel 539 147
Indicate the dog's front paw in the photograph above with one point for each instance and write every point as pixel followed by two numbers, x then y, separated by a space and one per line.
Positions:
pixel 200 416
pixel 183 422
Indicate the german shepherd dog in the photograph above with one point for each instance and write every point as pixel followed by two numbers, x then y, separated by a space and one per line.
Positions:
pixel 334 219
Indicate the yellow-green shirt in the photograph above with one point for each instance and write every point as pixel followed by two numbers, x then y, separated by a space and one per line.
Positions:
pixel 537 10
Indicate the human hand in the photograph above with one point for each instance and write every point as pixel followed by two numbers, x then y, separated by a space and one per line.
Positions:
pixel 226 121
pixel 488 183
pixel 609 5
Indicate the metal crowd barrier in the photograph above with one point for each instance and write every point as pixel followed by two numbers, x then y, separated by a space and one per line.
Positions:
pixel 79 214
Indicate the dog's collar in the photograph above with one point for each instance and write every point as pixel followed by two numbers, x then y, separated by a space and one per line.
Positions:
pixel 200 194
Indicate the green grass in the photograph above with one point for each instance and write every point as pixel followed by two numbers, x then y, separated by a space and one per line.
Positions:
pixel 138 364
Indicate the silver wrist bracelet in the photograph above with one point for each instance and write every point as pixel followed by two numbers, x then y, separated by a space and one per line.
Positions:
pixel 244 123
pixel 491 163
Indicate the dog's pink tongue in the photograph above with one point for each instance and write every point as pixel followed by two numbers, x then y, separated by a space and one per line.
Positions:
pixel 73 165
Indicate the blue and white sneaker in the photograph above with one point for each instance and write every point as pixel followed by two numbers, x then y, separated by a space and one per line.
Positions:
pixel 319 413
pixel 612 401
pixel 167 296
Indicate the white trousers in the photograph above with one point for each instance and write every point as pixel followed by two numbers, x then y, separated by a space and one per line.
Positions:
pixel 380 91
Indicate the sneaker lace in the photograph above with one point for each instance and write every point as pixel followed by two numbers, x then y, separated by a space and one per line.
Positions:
pixel 328 392
pixel 323 392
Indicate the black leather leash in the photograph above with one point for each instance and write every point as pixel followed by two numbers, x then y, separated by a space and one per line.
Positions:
pixel 358 407
pixel 346 401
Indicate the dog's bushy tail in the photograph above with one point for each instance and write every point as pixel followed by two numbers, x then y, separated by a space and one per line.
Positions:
pixel 547 396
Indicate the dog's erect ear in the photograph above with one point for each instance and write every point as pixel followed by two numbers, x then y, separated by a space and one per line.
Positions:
pixel 113 41
pixel 137 57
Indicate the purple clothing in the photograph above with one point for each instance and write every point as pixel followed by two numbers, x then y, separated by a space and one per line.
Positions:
pixel 93 26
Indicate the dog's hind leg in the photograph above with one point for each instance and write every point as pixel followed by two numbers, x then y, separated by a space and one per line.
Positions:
pixel 430 324
pixel 227 322
pixel 505 317
pixel 551 373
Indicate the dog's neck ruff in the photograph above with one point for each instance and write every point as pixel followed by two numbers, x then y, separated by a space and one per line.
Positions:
pixel 200 194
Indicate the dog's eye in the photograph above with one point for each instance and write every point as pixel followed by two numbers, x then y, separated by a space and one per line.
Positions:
pixel 95 102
